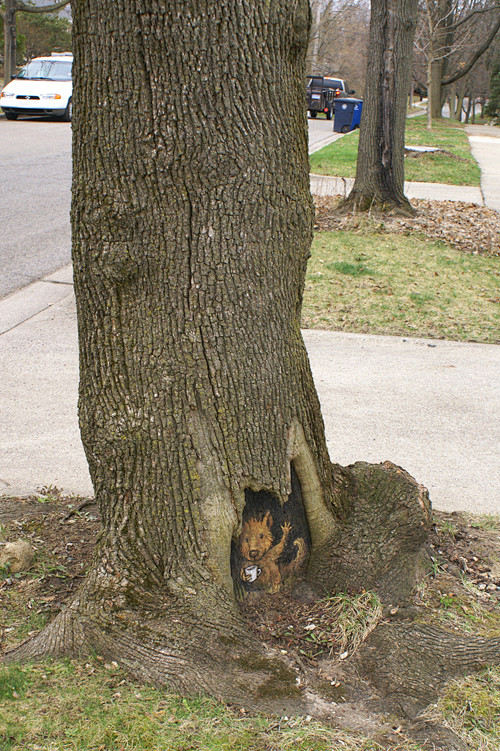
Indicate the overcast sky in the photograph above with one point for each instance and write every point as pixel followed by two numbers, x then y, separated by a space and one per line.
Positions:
pixel 64 12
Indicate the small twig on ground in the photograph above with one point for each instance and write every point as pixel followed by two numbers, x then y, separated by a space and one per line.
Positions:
pixel 82 505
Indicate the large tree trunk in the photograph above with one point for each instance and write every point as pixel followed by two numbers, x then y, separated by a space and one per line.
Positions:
pixel 379 179
pixel 192 223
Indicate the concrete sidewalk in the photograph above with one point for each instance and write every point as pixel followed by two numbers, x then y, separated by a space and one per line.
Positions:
pixel 430 406
pixel 341 186
pixel 485 146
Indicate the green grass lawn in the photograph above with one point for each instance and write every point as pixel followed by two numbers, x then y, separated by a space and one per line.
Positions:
pixel 89 706
pixel 401 285
pixel 454 168
pixel 92 706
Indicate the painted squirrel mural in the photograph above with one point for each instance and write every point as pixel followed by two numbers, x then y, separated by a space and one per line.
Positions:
pixel 261 556
pixel 274 542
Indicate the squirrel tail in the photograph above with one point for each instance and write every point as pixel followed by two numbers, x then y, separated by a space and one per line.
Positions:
pixel 300 556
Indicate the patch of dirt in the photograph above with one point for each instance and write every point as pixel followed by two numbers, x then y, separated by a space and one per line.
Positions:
pixel 469 547
pixel 63 539
pixel 464 226
pixel 312 628
pixel 413 153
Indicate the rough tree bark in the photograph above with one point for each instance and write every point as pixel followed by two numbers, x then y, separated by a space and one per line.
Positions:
pixel 9 40
pixel 191 229
pixel 439 18
pixel 379 179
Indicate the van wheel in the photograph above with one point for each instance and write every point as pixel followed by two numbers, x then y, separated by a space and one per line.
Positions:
pixel 68 112
pixel 313 113
pixel 11 116
pixel 329 113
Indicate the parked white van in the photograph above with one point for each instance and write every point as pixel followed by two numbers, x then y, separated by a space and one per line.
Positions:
pixel 43 87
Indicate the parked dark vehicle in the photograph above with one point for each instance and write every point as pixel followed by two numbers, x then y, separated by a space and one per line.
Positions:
pixel 321 92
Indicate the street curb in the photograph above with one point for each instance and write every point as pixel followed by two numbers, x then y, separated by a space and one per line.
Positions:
pixel 325 142
pixel 20 306
pixel 325 185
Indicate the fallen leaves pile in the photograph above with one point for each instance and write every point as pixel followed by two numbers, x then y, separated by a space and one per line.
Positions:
pixel 465 226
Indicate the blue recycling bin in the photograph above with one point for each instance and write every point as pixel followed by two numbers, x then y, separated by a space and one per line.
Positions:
pixel 347 114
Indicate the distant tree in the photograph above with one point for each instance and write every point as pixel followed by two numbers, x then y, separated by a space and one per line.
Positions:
pixel 452 36
pixel 380 168
pixel 492 109
pixel 339 39
pixel 43 33
pixel 465 94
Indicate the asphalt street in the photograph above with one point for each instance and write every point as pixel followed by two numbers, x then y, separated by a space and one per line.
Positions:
pixel 35 183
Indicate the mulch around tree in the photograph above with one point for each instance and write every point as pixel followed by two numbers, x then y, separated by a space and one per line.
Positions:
pixel 464 226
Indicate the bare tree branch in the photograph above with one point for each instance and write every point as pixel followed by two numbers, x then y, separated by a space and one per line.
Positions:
pixel 19 5
pixel 460 22
pixel 474 58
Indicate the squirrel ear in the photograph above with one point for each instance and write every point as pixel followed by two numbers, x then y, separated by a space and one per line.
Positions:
pixel 268 519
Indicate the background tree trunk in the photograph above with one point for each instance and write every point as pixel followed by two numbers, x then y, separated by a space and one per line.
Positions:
pixel 9 40
pixel 430 94
pixel 380 167
pixel 441 43
pixel 454 36
pixel 10 30
pixel 435 101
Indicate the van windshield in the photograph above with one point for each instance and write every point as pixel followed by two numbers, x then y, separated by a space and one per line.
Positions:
pixel 318 82
pixel 51 70
pixel 332 83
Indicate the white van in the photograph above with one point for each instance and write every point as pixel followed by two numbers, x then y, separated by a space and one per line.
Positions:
pixel 43 87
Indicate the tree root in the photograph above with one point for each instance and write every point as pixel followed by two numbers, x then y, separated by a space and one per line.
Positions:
pixel 357 202
pixel 399 669
pixel 436 737
pixel 187 650
pixel 409 662
pixel 192 639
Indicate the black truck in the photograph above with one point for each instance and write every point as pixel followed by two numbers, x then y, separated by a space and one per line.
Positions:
pixel 321 92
